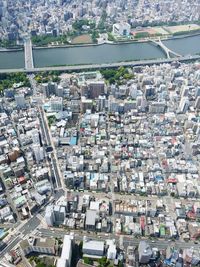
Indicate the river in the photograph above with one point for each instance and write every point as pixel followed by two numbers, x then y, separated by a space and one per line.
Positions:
pixel 99 54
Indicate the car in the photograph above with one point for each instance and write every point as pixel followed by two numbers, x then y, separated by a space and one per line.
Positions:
pixel 153 241
pixel 196 242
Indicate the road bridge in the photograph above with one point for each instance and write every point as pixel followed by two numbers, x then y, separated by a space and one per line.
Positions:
pixel 28 54
pixel 167 51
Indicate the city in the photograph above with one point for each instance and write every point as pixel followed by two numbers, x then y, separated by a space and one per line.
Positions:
pixel 107 160
pixel 99 133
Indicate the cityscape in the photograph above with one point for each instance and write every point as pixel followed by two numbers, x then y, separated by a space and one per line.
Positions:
pixel 99 133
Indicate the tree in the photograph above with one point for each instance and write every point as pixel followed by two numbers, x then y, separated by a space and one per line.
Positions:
pixel 88 261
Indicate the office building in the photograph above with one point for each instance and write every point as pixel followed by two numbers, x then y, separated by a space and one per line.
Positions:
pixel 121 29
pixel 49 216
pixel 197 102
pixel 93 248
pixel 56 104
pixel 38 152
pixel 183 105
pixel 66 255
pixel 59 214
pixel 35 136
pixel 95 89
pixel 38 245
pixel 20 100
pixel 59 91
pixel 145 252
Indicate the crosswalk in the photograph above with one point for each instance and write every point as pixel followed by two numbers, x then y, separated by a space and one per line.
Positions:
pixel 41 218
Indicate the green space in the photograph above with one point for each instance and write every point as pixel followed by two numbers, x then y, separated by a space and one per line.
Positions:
pixel 47 76
pixel 46 39
pixel 51 120
pixel 111 37
pixel 78 24
pixel 8 80
pixel 8 44
pixel 102 262
pixel 116 75
pixel 42 262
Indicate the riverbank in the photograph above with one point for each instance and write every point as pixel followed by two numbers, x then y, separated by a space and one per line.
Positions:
pixel 117 43
pixel 11 49
pixel 104 66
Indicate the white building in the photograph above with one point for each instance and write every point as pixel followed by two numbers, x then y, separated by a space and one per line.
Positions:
pixel 121 29
pixel 38 152
pixel 20 100
pixel 112 250
pixel 66 255
pixel 49 216
pixel 92 248
pixel 184 104
pixel 35 136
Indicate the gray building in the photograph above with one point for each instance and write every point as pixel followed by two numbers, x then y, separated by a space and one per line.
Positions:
pixel 144 251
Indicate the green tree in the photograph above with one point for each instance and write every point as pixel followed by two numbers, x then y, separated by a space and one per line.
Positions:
pixel 88 261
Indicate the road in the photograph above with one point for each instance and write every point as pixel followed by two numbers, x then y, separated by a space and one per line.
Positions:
pixel 26 228
pixel 127 240
pixel 54 162
pixel 28 54
pixel 102 66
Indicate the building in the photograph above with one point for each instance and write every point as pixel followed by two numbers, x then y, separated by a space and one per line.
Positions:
pixel 38 152
pixel 145 252
pixel 92 248
pixel 86 104
pixel 90 222
pixel 183 105
pixel 157 107
pixel 121 29
pixel 35 136
pixel 59 91
pixel 59 214
pixel 56 104
pixel 39 245
pixel 197 102
pixel 95 89
pixel 66 255
pixel 20 100
pixel 112 250
pixel 49 216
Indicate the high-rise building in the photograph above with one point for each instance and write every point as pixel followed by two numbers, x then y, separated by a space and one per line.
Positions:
pixel 197 102
pixel 66 255
pixel 35 136
pixel 20 100
pixel 144 251
pixel 197 92
pixel 59 91
pixel 56 104
pixel 184 104
pixel 49 216
pixel 59 214
pixel 38 152
pixel 95 89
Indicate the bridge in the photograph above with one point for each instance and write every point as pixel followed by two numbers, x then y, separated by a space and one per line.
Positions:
pixel 135 63
pixel 167 51
pixel 28 54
